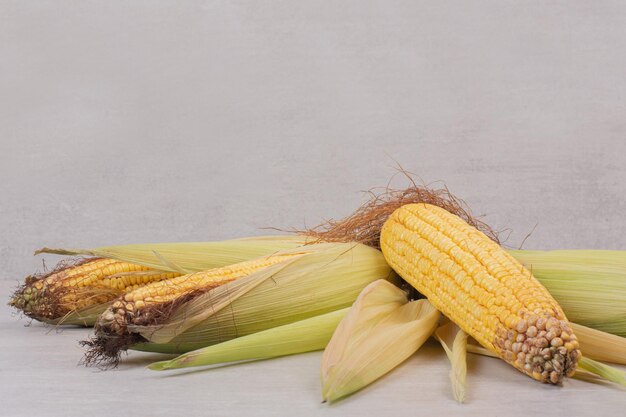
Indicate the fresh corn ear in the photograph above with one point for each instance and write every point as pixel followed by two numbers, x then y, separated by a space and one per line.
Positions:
pixel 305 282
pixel 187 257
pixel 75 293
pixel 590 285
pixel 298 337
pixel 153 303
pixel 380 331
pixel 86 290
pixel 482 288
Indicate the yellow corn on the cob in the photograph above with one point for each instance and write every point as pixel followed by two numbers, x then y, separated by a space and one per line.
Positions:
pixel 89 282
pixel 482 288
pixel 91 286
pixel 146 304
pixel 272 291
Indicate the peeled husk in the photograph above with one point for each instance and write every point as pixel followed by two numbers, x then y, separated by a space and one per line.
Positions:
pixel 381 330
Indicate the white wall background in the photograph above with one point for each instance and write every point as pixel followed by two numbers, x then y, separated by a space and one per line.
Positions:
pixel 193 120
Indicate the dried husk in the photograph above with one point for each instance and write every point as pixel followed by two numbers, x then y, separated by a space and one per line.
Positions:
pixel 599 345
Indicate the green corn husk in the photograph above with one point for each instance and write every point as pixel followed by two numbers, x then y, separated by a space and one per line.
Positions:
pixel 298 337
pixel 590 285
pixel 602 370
pixel 327 278
pixel 187 257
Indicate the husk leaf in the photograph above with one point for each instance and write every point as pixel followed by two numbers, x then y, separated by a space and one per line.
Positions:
pixel 298 337
pixel 454 342
pixel 599 345
pixel 380 331
pixel 187 257
pixel 602 370
pixel 590 285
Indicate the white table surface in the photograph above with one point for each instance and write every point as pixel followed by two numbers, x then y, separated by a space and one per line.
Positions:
pixel 41 377
pixel 191 120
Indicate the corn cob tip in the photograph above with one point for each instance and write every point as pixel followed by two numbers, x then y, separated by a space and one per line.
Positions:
pixel 542 347
pixel 154 305
pixel 39 300
pixel 79 285
pixel 112 336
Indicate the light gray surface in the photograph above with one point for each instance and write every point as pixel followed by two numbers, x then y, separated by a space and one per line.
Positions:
pixel 159 121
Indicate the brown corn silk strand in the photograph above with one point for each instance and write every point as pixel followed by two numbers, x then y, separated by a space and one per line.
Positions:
pixel 365 224
pixel 53 306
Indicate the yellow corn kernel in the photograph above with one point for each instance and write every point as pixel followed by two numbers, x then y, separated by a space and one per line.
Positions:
pixel 482 288
pixel 75 287
pixel 170 290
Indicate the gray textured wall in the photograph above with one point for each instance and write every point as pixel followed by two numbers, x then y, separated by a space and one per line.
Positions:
pixel 157 121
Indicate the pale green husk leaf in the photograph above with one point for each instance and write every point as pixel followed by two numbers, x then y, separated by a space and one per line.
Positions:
pixel 454 342
pixel 187 257
pixel 590 285
pixel 380 331
pixel 298 337
pixel 602 370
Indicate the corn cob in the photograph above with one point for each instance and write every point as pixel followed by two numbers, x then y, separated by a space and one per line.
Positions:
pixel 306 282
pixel 157 260
pixel 482 288
pixel 148 304
pixel 72 287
